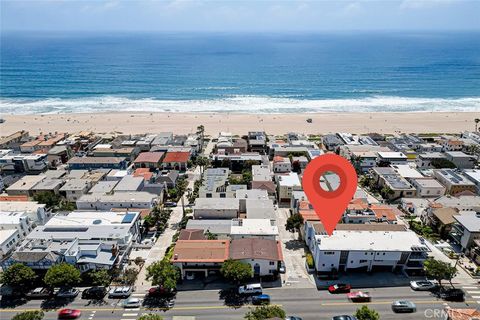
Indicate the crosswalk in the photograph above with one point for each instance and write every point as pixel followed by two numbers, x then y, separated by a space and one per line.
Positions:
pixel 131 314
pixel 473 290
pixel 91 315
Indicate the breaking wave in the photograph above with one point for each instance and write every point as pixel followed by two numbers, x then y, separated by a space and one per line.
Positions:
pixel 238 104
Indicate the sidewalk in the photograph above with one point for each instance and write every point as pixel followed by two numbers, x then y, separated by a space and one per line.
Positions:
pixel 157 252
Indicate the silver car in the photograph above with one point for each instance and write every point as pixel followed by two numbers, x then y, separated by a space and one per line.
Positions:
pixel 404 306
pixel 423 285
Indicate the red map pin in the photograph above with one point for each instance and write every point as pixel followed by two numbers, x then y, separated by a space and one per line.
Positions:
pixel 329 205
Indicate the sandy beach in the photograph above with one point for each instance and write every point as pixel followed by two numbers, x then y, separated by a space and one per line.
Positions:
pixel 130 123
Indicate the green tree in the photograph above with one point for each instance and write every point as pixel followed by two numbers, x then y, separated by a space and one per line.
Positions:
pixel 265 312
pixel 151 316
pixel 236 271
pixel 18 276
pixel 50 199
pixel 202 162
pixel 211 236
pixel 439 270
pixel 29 315
pixel 162 273
pixel 62 275
pixel 443 164
pixel 129 276
pixel 365 313
pixel 98 277
pixel 294 222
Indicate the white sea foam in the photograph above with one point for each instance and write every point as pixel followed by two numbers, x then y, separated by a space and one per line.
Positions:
pixel 238 104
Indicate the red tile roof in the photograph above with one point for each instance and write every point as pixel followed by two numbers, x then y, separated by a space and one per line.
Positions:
pixel 14 198
pixel 269 186
pixel 256 248
pixel 150 157
pixel 176 157
pixel 462 314
pixel 143 172
pixel 384 211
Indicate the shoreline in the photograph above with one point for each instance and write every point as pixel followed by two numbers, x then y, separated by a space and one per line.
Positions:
pixel 241 123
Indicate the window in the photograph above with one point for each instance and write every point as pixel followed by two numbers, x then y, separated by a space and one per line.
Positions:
pixel 323 265
pixel 328 252
pixel 222 195
pixel 208 195
pixel 272 263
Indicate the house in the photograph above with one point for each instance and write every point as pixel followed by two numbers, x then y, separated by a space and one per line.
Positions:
pixel 220 228
pixel 19 221
pixel 88 240
pixel 461 202
pixel 200 257
pixel 268 186
pixel 59 155
pixel 429 147
pixel 301 160
pixel 9 239
pixel 36 212
pixel 406 171
pixel 103 187
pixel 169 178
pixel 25 185
pixel 331 142
pixel 74 188
pixel 257 142
pixel 130 183
pixel 117 175
pixel 263 255
pixel 215 184
pixel 90 163
pixel 97 201
pixel 28 163
pixel 14 140
pixel 474 176
pixel 466 229
pixel 144 173
pixel 286 184
pixel 361 250
pixel 192 234
pixel 281 164
pixel 385 157
pixel 216 208
pixel 261 173
pixel 461 160
pixel 176 160
pixel 451 144
pixel 414 206
pixel 440 219
pixel 256 228
pixel 427 159
pixel 428 187
pixel 253 195
pixel 228 146
pixel 48 185
pixel 454 181
pixel 151 160
pixel 363 157
pixel 129 153
pixel 398 186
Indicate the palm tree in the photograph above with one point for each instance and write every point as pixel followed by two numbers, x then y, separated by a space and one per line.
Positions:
pixel 477 120
pixel 201 133
pixel 202 162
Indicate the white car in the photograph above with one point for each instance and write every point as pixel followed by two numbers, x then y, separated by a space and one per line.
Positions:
pixel 423 285
pixel 132 303
pixel 120 292
pixel 68 293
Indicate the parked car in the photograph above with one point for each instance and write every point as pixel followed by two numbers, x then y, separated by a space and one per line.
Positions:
pixel 190 275
pixel 282 268
pixel 452 294
pixel 94 293
pixel 67 293
pixel 403 306
pixel 359 296
pixel 344 317
pixel 39 293
pixel 261 299
pixel 293 318
pixel 69 314
pixel 160 292
pixel 423 285
pixel 120 292
pixel 254 288
pixel 340 288
pixel 170 204
pixel 132 303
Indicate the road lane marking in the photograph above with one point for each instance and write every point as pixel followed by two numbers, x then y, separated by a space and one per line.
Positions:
pixel 476 297
pixel 129 314
pixel 470 287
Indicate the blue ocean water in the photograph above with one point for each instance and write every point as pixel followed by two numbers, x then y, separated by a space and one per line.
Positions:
pixel 269 73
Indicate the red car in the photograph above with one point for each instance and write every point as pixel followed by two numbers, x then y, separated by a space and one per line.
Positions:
pixel 69 314
pixel 359 296
pixel 340 288
pixel 160 292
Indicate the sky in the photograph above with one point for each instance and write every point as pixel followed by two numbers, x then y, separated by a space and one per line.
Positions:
pixel 233 16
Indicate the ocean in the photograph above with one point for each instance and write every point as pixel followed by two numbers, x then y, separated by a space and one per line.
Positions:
pixel 245 73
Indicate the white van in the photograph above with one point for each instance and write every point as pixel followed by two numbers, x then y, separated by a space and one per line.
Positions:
pixel 250 289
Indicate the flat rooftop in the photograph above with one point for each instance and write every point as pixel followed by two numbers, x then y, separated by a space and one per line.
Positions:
pixel 370 240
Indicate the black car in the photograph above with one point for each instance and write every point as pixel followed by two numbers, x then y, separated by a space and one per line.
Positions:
pixel 94 293
pixel 344 318
pixel 452 294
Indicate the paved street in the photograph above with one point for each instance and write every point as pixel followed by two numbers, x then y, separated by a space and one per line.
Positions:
pixel 310 304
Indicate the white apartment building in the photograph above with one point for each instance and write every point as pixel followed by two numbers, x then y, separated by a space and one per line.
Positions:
pixel 286 184
pixel 428 187
pixel 281 165
pixel 138 199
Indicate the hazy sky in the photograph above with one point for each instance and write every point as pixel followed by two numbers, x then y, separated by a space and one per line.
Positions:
pixel 183 15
